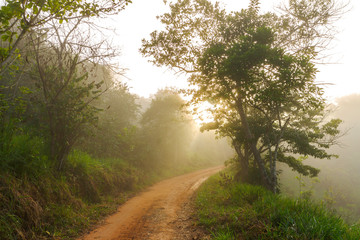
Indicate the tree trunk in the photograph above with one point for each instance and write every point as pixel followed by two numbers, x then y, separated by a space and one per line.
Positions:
pixel 273 176
pixel 249 136
pixel 244 163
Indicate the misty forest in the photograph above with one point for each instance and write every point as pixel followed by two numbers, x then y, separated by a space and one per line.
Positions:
pixel 76 143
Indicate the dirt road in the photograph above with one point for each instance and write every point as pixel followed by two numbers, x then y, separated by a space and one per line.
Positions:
pixel 156 214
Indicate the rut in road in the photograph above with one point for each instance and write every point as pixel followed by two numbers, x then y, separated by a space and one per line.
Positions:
pixel 155 214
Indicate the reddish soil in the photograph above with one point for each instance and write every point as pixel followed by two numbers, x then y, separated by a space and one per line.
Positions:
pixel 162 212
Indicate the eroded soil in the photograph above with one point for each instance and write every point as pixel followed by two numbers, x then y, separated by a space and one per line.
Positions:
pixel 162 212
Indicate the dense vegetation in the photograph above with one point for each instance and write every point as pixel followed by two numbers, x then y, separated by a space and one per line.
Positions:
pixel 233 210
pixel 74 142
pixel 47 205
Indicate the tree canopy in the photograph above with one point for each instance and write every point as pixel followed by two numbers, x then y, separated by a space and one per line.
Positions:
pixel 17 18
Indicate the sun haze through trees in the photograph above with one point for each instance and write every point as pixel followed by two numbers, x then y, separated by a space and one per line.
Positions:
pixel 258 70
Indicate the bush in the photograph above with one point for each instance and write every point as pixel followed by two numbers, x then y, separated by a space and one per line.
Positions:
pixel 93 178
pixel 22 154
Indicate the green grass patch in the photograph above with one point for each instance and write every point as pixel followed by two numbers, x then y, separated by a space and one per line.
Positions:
pixel 243 211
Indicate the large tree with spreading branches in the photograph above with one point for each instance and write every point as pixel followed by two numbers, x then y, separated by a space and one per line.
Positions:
pixel 258 71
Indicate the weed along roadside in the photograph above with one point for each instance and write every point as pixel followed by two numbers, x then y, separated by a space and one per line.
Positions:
pixel 53 207
pixel 243 211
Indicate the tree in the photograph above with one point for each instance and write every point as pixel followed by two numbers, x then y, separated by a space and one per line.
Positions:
pixel 114 133
pixel 165 132
pixel 17 18
pixel 65 58
pixel 258 71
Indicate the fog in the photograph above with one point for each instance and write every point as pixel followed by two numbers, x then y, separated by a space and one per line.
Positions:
pixel 336 185
pixel 208 148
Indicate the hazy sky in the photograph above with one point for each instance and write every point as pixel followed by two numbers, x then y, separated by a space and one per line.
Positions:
pixel 138 20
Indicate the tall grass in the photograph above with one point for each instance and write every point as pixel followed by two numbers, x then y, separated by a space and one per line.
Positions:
pixel 242 211
pixel 45 206
pixel 22 154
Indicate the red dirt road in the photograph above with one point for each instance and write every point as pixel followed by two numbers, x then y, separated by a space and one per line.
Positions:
pixel 154 214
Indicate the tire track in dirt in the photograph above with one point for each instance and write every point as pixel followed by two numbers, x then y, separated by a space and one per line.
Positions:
pixel 155 213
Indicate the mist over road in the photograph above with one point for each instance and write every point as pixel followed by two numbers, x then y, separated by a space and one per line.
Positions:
pixel 155 213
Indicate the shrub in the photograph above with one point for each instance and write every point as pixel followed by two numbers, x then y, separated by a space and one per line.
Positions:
pixel 23 154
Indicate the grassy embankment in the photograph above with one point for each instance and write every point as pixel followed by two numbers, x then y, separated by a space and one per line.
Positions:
pixel 241 211
pixel 41 204
pixel 38 203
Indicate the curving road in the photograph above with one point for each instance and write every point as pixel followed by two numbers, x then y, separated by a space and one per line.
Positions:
pixel 154 214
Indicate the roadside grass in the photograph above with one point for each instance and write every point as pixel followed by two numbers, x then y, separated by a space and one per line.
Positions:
pixel 48 205
pixel 243 211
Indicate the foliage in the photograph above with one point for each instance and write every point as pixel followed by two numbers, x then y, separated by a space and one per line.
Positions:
pixel 47 206
pixel 23 154
pixel 337 178
pixel 17 18
pixel 62 73
pixel 251 212
pixel 114 133
pixel 20 152
pixel 55 64
pixel 260 80
pixel 166 132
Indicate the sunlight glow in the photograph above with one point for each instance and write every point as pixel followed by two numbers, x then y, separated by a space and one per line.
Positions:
pixel 202 114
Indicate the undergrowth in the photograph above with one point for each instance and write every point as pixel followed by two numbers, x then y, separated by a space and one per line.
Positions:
pixel 243 211
pixel 49 205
